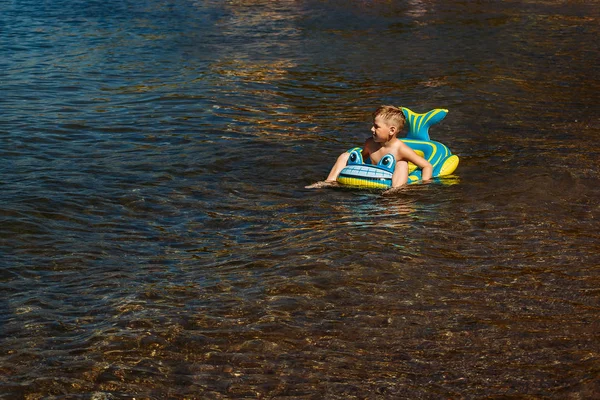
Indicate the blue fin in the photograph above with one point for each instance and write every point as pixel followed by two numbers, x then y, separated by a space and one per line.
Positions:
pixel 418 124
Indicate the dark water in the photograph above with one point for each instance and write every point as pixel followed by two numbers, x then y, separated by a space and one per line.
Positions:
pixel 156 239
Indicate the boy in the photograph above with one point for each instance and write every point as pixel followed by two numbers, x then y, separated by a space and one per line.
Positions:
pixel 388 122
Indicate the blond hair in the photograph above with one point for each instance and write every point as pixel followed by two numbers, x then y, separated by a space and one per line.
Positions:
pixel 391 115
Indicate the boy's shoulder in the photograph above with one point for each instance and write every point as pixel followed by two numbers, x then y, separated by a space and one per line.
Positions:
pixel 371 144
pixel 401 149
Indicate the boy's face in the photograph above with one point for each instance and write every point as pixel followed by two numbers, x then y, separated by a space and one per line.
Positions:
pixel 382 132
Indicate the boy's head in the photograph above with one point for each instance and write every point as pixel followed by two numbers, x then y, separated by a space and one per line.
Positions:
pixel 393 116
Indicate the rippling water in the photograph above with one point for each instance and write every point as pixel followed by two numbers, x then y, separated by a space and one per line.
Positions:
pixel 157 241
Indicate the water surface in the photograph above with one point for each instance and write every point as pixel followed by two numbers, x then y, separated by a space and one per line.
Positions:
pixel 157 241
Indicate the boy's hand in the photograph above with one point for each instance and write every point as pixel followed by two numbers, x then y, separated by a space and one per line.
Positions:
pixel 321 184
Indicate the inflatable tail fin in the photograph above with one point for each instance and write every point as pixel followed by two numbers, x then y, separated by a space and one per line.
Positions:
pixel 418 124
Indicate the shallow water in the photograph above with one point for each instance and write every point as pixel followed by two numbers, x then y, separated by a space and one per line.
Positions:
pixel 157 240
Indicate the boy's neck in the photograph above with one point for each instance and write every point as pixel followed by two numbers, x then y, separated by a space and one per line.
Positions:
pixel 389 142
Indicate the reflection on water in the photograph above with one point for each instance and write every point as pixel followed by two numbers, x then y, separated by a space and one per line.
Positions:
pixel 157 240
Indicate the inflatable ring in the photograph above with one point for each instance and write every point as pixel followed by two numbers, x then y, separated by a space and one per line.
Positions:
pixel 361 175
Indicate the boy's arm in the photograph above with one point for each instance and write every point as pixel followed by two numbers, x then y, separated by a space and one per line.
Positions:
pixel 366 150
pixel 408 154
pixel 339 165
pixel 400 175
pixel 342 161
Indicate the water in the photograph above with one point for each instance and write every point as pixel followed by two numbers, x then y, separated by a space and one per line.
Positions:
pixel 157 240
